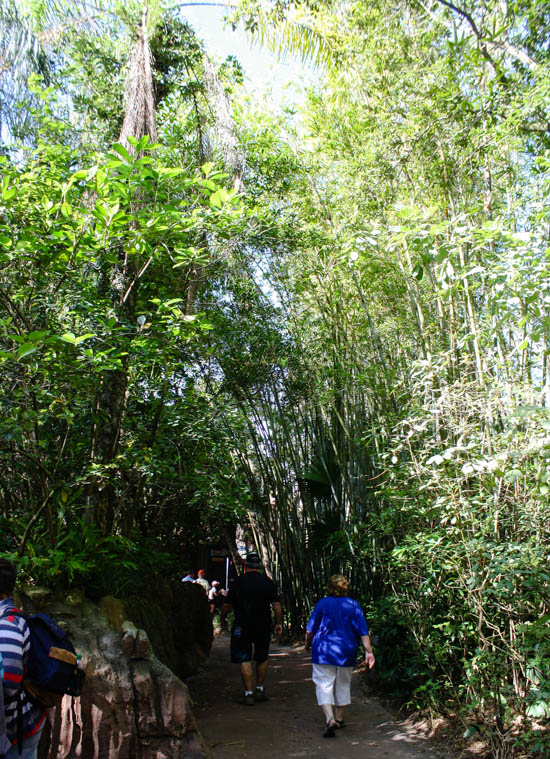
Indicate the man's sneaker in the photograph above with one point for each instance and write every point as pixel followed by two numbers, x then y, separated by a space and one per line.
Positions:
pixel 259 695
pixel 247 699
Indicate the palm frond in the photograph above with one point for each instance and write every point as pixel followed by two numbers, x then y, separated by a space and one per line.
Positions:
pixel 29 30
pixel 21 54
pixel 293 37
pixel 43 15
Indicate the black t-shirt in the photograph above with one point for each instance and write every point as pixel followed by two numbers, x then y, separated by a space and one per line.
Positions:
pixel 251 596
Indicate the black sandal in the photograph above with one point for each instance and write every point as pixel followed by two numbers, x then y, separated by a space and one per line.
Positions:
pixel 329 732
pixel 339 723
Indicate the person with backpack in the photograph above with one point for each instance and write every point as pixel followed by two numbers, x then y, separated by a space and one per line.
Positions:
pixel 24 718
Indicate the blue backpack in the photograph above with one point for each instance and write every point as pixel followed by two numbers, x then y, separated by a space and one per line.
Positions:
pixel 53 667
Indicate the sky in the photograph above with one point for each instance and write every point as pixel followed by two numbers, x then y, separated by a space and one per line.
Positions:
pixel 283 79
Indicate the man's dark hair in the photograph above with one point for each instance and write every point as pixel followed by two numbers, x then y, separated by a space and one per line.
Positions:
pixel 8 573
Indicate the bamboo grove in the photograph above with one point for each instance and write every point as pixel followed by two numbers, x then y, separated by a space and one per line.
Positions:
pixel 326 323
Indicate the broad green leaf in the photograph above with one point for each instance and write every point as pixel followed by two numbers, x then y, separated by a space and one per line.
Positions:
pixel 121 150
pixel 80 339
pixel 26 350
pixel 539 709
pixel 39 335
pixel 216 199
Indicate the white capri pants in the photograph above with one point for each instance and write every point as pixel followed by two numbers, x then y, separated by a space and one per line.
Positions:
pixel 332 684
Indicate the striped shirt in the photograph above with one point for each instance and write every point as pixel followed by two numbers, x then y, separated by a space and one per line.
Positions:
pixel 4 742
pixel 15 644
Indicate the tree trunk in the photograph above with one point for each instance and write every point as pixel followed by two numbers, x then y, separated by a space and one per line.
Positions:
pixel 120 282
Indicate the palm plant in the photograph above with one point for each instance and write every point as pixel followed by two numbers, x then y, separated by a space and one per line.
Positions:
pixel 22 53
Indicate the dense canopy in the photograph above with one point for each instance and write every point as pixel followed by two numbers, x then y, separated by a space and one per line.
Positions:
pixel 325 322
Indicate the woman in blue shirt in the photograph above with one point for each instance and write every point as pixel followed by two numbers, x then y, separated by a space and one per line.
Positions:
pixel 334 629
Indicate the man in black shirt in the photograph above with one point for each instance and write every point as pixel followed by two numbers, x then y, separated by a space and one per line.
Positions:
pixel 252 595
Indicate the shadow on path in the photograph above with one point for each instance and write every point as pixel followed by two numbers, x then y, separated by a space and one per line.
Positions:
pixel 290 724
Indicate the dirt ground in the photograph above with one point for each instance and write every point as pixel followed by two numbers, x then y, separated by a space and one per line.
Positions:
pixel 290 723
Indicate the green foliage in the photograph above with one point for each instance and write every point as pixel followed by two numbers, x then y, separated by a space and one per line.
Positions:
pixel 350 357
pixel 80 558
pixel 408 251
pixel 73 321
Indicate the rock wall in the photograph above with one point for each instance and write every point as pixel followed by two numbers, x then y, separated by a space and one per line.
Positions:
pixel 132 705
pixel 177 619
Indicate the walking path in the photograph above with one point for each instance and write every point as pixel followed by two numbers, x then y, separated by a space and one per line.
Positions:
pixel 290 723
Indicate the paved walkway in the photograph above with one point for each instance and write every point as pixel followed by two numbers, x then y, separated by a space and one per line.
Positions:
pixel 290 723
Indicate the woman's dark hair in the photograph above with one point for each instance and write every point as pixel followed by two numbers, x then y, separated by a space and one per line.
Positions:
pixel 8 573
